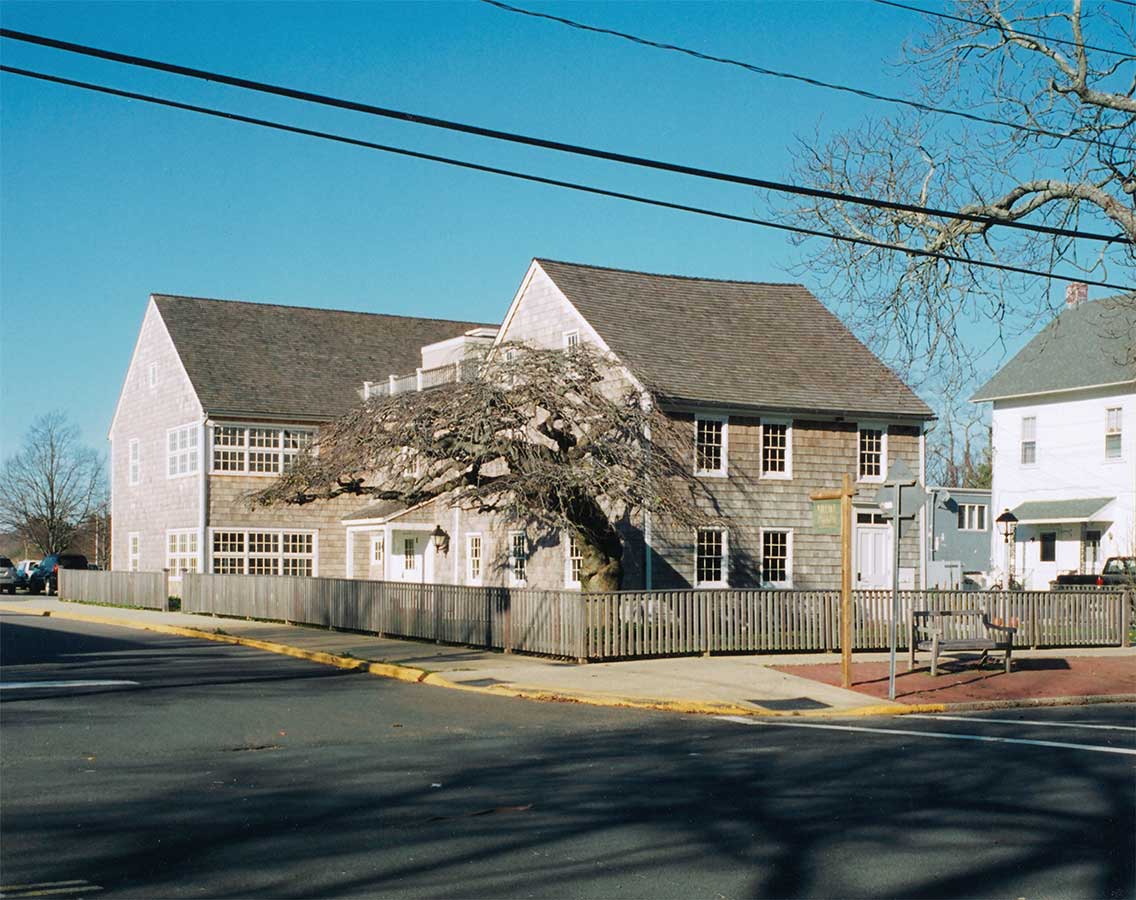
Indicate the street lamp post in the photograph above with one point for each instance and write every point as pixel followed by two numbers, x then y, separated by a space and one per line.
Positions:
pixel 1007 523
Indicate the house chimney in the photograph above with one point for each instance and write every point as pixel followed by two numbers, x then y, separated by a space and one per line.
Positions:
pixel 1076 292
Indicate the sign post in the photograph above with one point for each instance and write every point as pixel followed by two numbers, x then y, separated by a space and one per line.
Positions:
pixel 825 511
pixel 903 497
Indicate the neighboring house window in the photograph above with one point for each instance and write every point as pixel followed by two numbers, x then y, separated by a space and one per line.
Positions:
pixel 710 558
pixel 776 449
pixel 409 557
pixel 575 562
pixel 872 449
pixel 571 340
pixel 135 462
pixel 134 550
pixel 776 558
pixel 181 552
pixel 518 557
pixel 241 450
pixel 1029 440
pixel 1113 436
pixel 181 451
pixel 972 517
pixel 1090 551
pixel 710 445
pixel 1049 546
pixel 258 552
pixel 378 550
pixel 473 558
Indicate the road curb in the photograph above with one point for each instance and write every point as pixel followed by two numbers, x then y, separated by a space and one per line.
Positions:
pixel 414 675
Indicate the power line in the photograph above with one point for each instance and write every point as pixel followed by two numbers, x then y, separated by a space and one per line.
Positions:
pixel 547 144
pixel 538 179
pixel 791 76
pixel 994 26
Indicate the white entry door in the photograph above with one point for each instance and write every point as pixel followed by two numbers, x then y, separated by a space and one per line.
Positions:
pixel 411 557
pixel 873 557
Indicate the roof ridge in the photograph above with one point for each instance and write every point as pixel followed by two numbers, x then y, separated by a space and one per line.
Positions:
pixel 565 262
pixel 323 309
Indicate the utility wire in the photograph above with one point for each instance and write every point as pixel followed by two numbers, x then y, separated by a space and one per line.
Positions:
pixel 537 179
pixel 994 26
pixel 547 144
pixel 791 76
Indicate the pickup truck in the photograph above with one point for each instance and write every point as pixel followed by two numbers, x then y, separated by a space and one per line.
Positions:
pixel 1118 571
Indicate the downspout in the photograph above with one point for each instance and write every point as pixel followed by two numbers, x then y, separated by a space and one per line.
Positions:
pixel 203 496
pixel 923 536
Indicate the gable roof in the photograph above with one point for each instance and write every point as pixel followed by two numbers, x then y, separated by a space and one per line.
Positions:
pixel 264 360
pixel 1087 345
pixel 733 343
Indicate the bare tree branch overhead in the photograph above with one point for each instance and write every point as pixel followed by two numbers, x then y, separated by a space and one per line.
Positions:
pixel 555 439
pixel 916 310
pixel 50 488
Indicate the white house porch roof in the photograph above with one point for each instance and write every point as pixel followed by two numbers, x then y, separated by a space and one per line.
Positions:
pixel 1051 512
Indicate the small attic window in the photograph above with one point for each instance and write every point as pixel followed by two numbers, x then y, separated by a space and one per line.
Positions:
pixel 153 375
pixel 571 340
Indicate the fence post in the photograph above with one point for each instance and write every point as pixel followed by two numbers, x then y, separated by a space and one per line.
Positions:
pixel 165 590
pixel 437 614
pixel 1126 600
pixel 1032 601
pixel 704 598
pixel 581 628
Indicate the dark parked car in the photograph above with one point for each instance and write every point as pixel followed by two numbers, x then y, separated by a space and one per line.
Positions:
pixel 1118 571
pixel 7 575
pixel 46 575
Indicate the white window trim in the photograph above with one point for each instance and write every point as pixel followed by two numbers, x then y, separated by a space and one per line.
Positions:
pixel 985 517
pixel 787 475
pixel 193 450
pixel 192 555
pixel 469 579
pixel 568 335
pixel 134 462
pixel 246 449
pixel 378 539
pixel 1109 460
pixel 566 538
pixel 723 471
pixel 133 551
pixel 314 532
pixel 725 580
pixel 513 580
pixel 1022 441
pixel 788 582
pixel 883 429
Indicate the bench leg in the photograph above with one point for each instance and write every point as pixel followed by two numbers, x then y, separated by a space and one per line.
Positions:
pixel 1008 649
pixel 934 655
pixel 911 657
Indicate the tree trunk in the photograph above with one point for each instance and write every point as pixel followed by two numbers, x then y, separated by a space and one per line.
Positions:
pixel 601 548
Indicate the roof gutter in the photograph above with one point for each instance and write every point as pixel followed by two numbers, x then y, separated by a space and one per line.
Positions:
pixel 1066 390
pixel 818 413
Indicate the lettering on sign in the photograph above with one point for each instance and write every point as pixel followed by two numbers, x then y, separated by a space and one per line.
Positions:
pixel 826 517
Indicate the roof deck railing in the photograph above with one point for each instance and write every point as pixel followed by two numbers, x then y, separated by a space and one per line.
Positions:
pixel 461 372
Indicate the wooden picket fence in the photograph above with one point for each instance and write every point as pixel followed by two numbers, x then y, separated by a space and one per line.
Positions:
pixel 620 625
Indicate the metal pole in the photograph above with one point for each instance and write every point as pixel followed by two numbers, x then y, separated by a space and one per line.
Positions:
pixel 894 592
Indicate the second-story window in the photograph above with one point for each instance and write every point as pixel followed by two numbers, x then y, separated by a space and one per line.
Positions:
pixel 135 463
pixel 872 446
pixel 972 517
pixel 1113 435
pixel 242 450
pixel 710 445
pixel 181 451
pixel 776 450
pixel 1029 440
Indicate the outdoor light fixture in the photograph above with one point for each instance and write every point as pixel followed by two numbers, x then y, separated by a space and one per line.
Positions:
pixel 441 539
pixel 1007 523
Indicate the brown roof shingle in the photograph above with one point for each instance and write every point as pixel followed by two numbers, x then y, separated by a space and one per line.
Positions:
pixel 734 343
pixel 265 360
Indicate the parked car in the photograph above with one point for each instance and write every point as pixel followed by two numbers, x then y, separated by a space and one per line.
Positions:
pixel 1118 571
pixel 7 575
pixel 46 574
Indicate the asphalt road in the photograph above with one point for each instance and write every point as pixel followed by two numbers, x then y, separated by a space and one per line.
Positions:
pixel 222 771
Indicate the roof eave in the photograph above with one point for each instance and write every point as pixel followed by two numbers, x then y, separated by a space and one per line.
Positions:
pixel 817 411
pixel 978 398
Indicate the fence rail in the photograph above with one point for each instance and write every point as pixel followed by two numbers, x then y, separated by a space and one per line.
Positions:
pixel 622 625
pixel 144 590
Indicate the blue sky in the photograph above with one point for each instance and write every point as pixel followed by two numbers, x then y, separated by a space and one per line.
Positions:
pixel 103 201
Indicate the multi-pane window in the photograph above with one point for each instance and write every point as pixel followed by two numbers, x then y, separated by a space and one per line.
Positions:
pixel 263 552
pixel 710 557
pixel 378 550
pixel 774 448
pixel 710 446
pixel 571 340
pixel 133 551
pixel 409 554
pixel 575 560
pixel 972 516
pixel 181 552
pixel 873 518
pixel 135 464
pixel 473 558
pixel 181 451
pixel 775 557
pixel 257 451
pixel 518 557
pixel 1049 546
pixel 1029 440
pixel 1113 435
pixel 871 454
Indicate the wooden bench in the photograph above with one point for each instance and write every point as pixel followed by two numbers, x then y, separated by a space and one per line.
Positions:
pixel 933 625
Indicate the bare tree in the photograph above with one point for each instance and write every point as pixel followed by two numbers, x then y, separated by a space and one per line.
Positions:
pixel 552 438
pixel 1071 164
pixel 49 489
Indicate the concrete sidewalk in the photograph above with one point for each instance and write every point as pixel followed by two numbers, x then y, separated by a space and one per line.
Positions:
pixel 720 684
